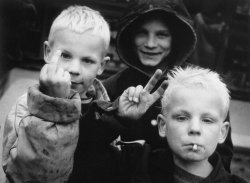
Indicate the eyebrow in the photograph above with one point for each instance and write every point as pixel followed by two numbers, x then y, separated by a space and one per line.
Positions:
pixel 164 30
pixel 181 111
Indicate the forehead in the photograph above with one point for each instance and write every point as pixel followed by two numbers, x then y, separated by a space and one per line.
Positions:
pixel 153 23
pixel 196 100
pixel 85 44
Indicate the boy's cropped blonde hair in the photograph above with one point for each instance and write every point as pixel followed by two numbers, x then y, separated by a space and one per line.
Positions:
pixel 80 19
pixel 196 77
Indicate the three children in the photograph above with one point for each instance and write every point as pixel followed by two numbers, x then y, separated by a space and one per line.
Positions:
pixel 61 130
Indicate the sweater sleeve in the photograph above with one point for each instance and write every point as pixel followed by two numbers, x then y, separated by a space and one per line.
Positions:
pixel 40 138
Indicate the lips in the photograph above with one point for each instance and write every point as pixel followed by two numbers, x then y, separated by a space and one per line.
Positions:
pixel 190 146
pixel 150 53
pixel 75 83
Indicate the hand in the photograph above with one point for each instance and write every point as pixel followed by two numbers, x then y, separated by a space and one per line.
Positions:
pixel 54 81
pixel 135 101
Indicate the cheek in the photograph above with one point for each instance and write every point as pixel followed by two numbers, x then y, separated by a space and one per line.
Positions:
pixel 166 44
pixel 62 64
pixel 173 133
pixel 89 74
pixel 138 41
pixel 212 136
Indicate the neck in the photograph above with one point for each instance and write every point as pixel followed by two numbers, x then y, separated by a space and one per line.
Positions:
pixel 199 168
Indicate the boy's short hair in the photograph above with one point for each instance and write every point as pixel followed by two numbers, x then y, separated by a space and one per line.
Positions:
pixel 196 77
pixel 80 19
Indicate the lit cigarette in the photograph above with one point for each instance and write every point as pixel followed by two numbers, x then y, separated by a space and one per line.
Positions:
pixel 195 147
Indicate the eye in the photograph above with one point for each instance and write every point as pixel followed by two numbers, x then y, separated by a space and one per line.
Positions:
pixel 163 34
pixel 180 118
pixel 65 55
pixel 88 61
pixel 208 120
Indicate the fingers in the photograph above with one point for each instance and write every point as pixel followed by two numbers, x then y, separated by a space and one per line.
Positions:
pixel 60 73
pixel 153 80
pixel 134 93
pixel 51 70
pixel 67 76
pixel 131 91
pixel 55 57
pixel 52 73
pixel 137 92
pixel 160 91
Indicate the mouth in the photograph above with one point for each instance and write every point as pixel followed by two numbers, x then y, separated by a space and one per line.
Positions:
pixel 75 83
pixel 150 53
pixel 193 146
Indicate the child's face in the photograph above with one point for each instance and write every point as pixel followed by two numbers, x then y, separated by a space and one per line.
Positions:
pixel 82 56
pixel 152 42
pixel 193 116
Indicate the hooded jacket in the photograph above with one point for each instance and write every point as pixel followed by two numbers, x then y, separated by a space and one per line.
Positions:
pixel 183 36
pixel 183 44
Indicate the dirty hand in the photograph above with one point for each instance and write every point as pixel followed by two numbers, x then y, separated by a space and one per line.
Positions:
pixel 135 101
pixel 54 81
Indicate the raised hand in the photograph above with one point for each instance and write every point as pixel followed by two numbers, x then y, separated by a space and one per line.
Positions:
pixel 135 101
pixel 54 81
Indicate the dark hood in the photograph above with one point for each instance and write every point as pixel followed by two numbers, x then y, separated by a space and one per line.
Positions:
pixel 178 21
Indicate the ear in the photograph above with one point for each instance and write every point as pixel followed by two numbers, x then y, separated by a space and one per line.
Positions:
pixel 46 50
pixel 223 132
pixel 102 65
pixel 161 125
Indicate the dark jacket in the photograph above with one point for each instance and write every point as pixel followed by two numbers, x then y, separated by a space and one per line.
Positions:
pixel 144 165
pixel 184 40
pixel 95 159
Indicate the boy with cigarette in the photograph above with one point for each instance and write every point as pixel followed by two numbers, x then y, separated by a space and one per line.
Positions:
pixel 194 109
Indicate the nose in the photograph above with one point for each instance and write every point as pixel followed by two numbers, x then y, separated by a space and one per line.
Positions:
pixel 151 42
pixel 194 127
pixel 74 67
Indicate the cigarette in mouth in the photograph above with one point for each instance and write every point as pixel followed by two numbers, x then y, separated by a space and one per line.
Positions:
pixel 194 147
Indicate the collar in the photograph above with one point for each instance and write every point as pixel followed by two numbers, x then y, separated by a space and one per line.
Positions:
pixel 97 91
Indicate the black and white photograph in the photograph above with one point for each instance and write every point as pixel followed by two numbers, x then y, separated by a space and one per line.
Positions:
pixel 125 91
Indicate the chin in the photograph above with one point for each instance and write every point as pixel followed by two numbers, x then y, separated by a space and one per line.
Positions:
pixel 191 156
pixel 150 63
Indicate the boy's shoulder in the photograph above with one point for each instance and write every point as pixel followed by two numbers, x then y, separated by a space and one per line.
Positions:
pixel 237 179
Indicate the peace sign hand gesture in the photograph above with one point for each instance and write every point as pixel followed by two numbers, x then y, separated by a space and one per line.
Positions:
pixel 135 101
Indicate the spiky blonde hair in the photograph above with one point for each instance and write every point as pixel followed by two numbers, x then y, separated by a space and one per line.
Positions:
pixel 80 19
pixel 196 77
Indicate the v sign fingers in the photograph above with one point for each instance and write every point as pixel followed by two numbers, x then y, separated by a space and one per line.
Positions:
pixel 159 92
pixel 153 80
